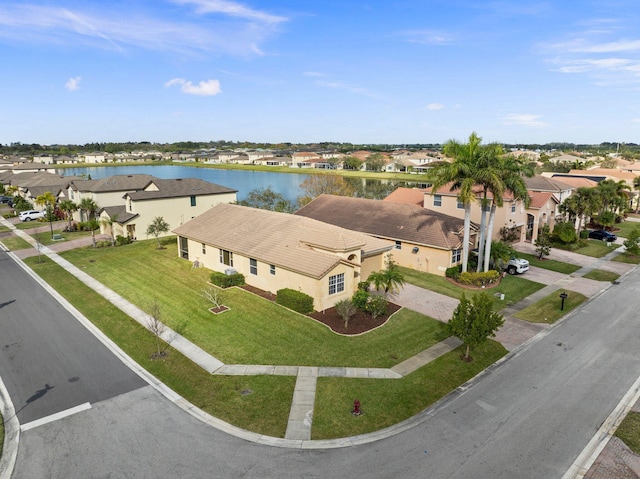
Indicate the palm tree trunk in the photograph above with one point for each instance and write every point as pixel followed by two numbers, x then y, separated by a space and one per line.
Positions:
pixel 465 237
pixel 487 248
pixel 483 225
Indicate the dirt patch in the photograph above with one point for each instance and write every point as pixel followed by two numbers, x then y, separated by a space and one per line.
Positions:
pixel 219 309
pixel 470 286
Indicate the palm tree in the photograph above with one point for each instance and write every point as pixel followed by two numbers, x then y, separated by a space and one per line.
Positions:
pixel 108 222
pixel 461 174
pixel 389 278
pixel 88 208
pixel 511 172
pixel 48 200
pixel 68 207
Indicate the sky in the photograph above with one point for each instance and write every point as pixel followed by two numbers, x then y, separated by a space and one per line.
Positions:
pixel 410 71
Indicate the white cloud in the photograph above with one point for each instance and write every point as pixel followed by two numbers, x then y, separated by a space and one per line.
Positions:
pixel 233 9
pixel 73 83
pixel 429 37
pixel 435 106
pixel 203 88
pixel 523 119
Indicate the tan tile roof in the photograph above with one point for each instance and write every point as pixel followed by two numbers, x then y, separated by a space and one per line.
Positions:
pixel 386 219
pixel 281 239
pixel 540 198
pixel 577 182
pixel 407 196
pixel 543 183
pixel 615 173
pixel 179 187
pixel 114 183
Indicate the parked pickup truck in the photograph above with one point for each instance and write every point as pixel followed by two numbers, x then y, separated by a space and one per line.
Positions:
pixel 517 265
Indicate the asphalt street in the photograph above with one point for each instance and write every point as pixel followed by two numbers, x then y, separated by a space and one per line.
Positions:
pixel 529 417
pixel 48 361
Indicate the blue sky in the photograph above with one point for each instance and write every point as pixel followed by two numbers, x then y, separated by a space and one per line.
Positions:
pixel 412 71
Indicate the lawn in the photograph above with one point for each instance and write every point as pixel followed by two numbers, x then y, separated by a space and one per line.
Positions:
pixel 14 243
pixel 515 288
pixel 628 258
pixel 625 228
pixel 46 238
pixel 601 275
pixel 254 330
pixel 547 310
pixel 595 248
pixel 550 264
pixel 386 402
pixel 629 431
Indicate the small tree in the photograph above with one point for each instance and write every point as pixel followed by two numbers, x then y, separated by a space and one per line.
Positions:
pixel 155 325
pixel 93 225
pixel 157 227
pixel 108 222
pixel 632 243
pixel 48 200
pixel 214 295
pixel 473 322
pixel 389 278
pixel 68 207
pixel 345 309
pixel 543 242
pixel 376 306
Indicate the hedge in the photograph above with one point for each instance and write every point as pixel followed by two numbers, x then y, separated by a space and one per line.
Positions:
pixel 227 280
pixel 479 279
pixel 295 300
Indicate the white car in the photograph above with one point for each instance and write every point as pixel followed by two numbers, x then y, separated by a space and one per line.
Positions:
pixel 31 215
pixel 517 265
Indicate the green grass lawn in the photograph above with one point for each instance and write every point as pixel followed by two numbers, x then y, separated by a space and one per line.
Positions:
pixel 386 402
pixel 254 330
pixel 514 287
pixel 547 310
pixel 625 228
pixel 629 431
pixel 550 264
pixel 595 248
pixel 14 243
pixel 601 275
pixel 628 258
pixel 46 238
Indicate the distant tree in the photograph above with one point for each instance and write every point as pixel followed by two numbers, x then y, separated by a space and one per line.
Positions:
pixel 390 278
pixel 323 184
pixel 267 199
pixel 157 227
pixel 351 163
pixel 543 241
pixel 374 162
pixel 473 322
pixel 48 200
pixel 345 309
pixel 68 207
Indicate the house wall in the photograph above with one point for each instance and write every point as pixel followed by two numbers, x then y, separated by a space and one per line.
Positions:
pixel 318 289
pixel 427 259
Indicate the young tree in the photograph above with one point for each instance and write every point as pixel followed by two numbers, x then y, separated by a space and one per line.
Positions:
pixel 68 207
pixel 473 322
pixel 108 222
pixel 632 243
pixel 157 227
pixel 156 326
pixel 389 278
pixel 323 184
pixel 48 200
pixel 214 295
pixel 345 309
pixel 93 225
pixel 543 242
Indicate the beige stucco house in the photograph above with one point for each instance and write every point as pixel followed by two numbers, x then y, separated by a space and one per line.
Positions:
pixel 279 250
pixel 175 200
pixel 424 240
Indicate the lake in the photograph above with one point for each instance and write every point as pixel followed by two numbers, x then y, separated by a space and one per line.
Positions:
pixel 287 184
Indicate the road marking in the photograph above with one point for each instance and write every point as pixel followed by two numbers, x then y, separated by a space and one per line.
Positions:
pixel 55 417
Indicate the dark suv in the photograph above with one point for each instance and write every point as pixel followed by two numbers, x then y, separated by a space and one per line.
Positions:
pixel 603 235
pixel 6 199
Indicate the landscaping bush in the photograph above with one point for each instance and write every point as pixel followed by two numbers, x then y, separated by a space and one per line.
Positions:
pixel 295 300
pixel 376 306
pixel 453 272
pixel 584 234
pixel 565 232
pixel 122 240
pixel 103 244
pixel 364 285
pixel 360 299
pixel 479 279
pixel 227 280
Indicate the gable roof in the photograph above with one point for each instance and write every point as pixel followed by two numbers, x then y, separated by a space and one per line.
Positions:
pixel 284 240
pixel 178 187
pixel 386 219
pixel 118 213
pixel 577 181
pixel 543 183
pixel 540 198
pixel 114 183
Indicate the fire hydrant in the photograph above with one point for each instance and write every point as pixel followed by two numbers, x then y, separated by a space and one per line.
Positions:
pixel 356 408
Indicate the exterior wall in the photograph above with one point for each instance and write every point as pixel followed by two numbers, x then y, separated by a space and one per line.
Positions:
pixel 175 211
pixel 318 289
pixel 426 259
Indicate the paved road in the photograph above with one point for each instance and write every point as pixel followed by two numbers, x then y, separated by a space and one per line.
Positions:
pixel 48 362
pixel 529 418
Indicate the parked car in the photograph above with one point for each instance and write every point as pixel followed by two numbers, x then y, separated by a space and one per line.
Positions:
pixel 602 235
pixel 30 215
pixel 6 199
pixel 517 265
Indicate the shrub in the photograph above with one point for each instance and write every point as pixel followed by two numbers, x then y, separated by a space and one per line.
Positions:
pixel 453 272
pixel 479 279
pixel 376 306
pixel 227 280
pixel 103 244
pixel 364 285
pixel 295 300
pixel 345 309
pixel 360 299
pixel 584 234
pixel 122 240
pixel 509 235
pixel 565 232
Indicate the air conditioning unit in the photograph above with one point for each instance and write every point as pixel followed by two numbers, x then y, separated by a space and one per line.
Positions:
pixel 230 271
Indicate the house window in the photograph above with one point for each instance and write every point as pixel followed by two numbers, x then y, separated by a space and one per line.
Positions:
pixel 253 266
pixel 437 200
pixel 459 204
pixel 456 256
pixel 398 244
pixel 184 247
pixel 336 283
pixel 226 257
pixel 272 269
pixel 193 201
pixel 513 207
pixel 204 248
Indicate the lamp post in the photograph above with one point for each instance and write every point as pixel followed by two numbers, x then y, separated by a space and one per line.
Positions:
pixel 563 296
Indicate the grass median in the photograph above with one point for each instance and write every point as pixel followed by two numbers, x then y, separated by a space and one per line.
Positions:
pixel 548 311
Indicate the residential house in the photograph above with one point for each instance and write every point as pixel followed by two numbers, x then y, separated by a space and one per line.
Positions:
pixel 424 240
pixel 95 157
pixel 302 159
pixel 279 250
pixel 175 200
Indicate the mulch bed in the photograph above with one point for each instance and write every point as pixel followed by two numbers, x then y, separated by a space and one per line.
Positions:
pixel 359 323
